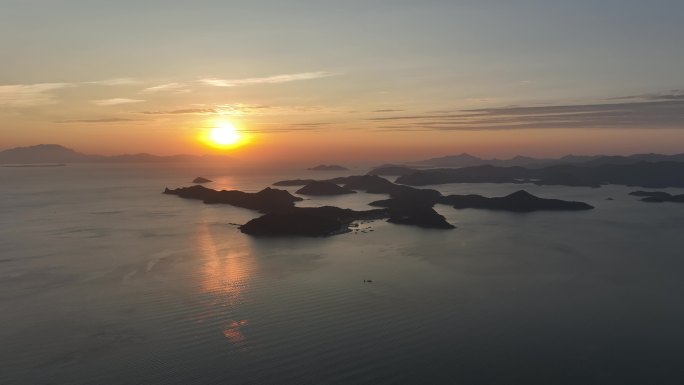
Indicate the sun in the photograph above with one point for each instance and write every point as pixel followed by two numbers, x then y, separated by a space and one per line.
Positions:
pixel 223 135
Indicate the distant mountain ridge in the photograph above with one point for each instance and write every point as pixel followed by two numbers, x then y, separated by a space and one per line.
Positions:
pixel 467 160
pixel 55 153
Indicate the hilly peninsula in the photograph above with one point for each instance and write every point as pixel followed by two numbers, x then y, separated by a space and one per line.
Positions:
pixel 658 196
pixel 642 174
pixel 264 201
pixel 328 167
pixel 323 188
pixel 55 153
pixel 308 221
pixel 406 205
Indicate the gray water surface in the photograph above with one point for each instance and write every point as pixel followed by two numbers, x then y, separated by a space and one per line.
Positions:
pixel 103 280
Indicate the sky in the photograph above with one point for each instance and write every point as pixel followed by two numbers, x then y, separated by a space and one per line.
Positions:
pixel 338 80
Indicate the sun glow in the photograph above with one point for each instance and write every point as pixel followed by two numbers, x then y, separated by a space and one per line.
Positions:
pixel 224 135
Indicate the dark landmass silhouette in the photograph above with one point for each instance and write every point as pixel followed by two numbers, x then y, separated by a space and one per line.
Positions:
pixel 200 179
pixel 283 218
pixel 54 153
pixel 294 182
pixel 408 210
pixel 34 165
pixel 308 221
pixel 326 167
pixel 410 205
pixel 392 170
pixel 643 174
pixel 266 200
pixel 519 201
pixel 467 160
pixel 658 196
pixel 406 205
pixel 324 188
pixel 372 184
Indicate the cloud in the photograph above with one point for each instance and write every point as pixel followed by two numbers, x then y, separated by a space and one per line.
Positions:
pixel 221 109
pixel 115 101
pixel 672 95
pixel 628 115
pixel 99 120
pixel 115 82
pixel 175 87
pixel 27 95
pixel 265 80
pixel 315 124
pixel 183 111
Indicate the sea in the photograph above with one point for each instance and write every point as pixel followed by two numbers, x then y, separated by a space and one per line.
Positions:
pixel 104 280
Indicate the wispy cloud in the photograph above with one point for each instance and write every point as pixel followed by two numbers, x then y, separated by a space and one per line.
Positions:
pixel 183 111
pixel 242 109
pixel 99 120
pixel 115 82
pixel 26 95
pixel 672 95
pixel 115 101
pixel 387 110
pixel 168 87
pixel 236 109
pixel 266 80
pixel 628 115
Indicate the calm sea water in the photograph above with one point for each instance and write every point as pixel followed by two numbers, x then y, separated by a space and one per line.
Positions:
pixel 103 280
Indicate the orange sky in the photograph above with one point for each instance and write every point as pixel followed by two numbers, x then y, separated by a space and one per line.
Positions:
pixel 404 81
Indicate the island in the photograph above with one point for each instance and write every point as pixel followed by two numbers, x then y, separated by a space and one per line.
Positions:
pixel 200 179
pixel 328 167
pixel 264 201
pixel 33 165
pixel 55 153
pixel 406 205
pixel 308 221
pixel 324 188
pixel 414 200
pixel 392 170
pixel 643 174
pixel 519 201
pixel 294 182
pixel 658 196
pixel 412 206
pixel 372 184
pixel 407 211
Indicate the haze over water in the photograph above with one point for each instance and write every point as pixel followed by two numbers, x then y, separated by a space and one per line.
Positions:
pixel 104 280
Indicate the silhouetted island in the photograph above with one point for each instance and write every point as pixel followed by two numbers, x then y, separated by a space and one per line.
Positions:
pixel 372 184
pixel 419 202
pixel 294 182
pixel 519 201
pixel 658 196
pixel 264 201
pixel 324 188
pixel 645 174
pixel 408 211
pixel 467 160
pixel 55 153
pixel 200 179
pixel 308 221
pixel 413 207
pixel 392 170
pixel 326 167
pixel 406 205
pixel 33 165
